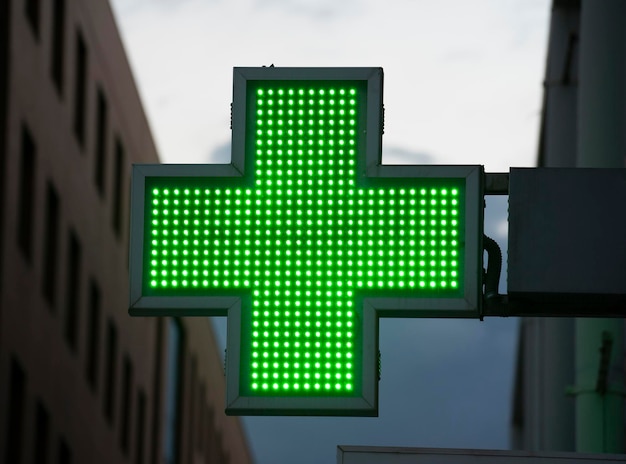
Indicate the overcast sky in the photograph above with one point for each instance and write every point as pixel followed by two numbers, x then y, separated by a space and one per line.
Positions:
pixel 463 85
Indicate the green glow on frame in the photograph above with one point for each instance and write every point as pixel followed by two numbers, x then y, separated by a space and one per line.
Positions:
pixel 305 239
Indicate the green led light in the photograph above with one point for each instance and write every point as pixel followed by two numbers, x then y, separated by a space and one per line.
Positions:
pixel 303 239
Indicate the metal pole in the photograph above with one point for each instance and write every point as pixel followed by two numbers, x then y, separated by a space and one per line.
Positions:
pixel 601 143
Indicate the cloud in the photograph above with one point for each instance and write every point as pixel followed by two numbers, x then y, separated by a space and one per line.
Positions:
pixel 467 102
pixel 496 226
pixel 129 7
pixel 318 10
pixel 496 218
pixel 400 155
pixel 220 154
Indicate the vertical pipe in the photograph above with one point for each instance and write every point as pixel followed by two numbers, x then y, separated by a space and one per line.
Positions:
pixel 601 143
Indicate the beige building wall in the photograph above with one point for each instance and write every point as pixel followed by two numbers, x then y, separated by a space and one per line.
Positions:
pixel 80 380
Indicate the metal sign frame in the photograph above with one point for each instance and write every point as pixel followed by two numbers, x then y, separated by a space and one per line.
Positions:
pixel 231 304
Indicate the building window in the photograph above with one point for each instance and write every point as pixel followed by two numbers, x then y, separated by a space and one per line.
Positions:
pixel 193 416
pixel 16 405
pixel 27 195
pixel 72 290
pixel 101 141
pixel 42 435
pixel 222 453
pixel 172 390
pixel 65 455
pixel 58 44
pixel 51 234
pixel 110 368
pixel 209 433
pixel 80 88
pixel 118 187
pixel 140 427
pixel 155 431
pixel 93 334
pixel 200 433
pixel 127 385
pixel 32 8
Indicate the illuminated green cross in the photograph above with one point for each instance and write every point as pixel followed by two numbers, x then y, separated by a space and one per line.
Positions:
pixel 301 242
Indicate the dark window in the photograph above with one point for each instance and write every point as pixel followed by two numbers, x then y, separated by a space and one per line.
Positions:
pixel 222 453
pixel 27 195
pixel 193 404
pixel 93 335
pixel 101 142
pixel 32 14
pixel 127 385
pixel 118 186
pixel 155 431
pixel 109 373
pixel 172 391
pixel 203 411
pixel 42 435
pixel 65 455
pixel 6 77
pixel 58 43
pixel 208 433
pixel 51 235
pixel 16 406
pixel 140 427
pixel 72 290
pixel 80 88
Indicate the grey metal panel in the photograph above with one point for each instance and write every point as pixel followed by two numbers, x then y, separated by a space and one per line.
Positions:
pixel 566 232
pixel 372 308
pixel 141 305
pixel 372 172
pixel 398 455
pixel 142 171
pixel 364 405
pixel 422 171
pixel 471 303
pixel 373 77
pixel 211 306
pixel 301 406
pixel 307 74
pixel 137 198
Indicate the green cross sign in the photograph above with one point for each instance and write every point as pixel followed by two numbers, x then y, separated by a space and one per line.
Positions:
pixel 304 240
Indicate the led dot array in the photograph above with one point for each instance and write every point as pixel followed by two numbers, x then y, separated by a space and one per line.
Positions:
pixel 304 238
